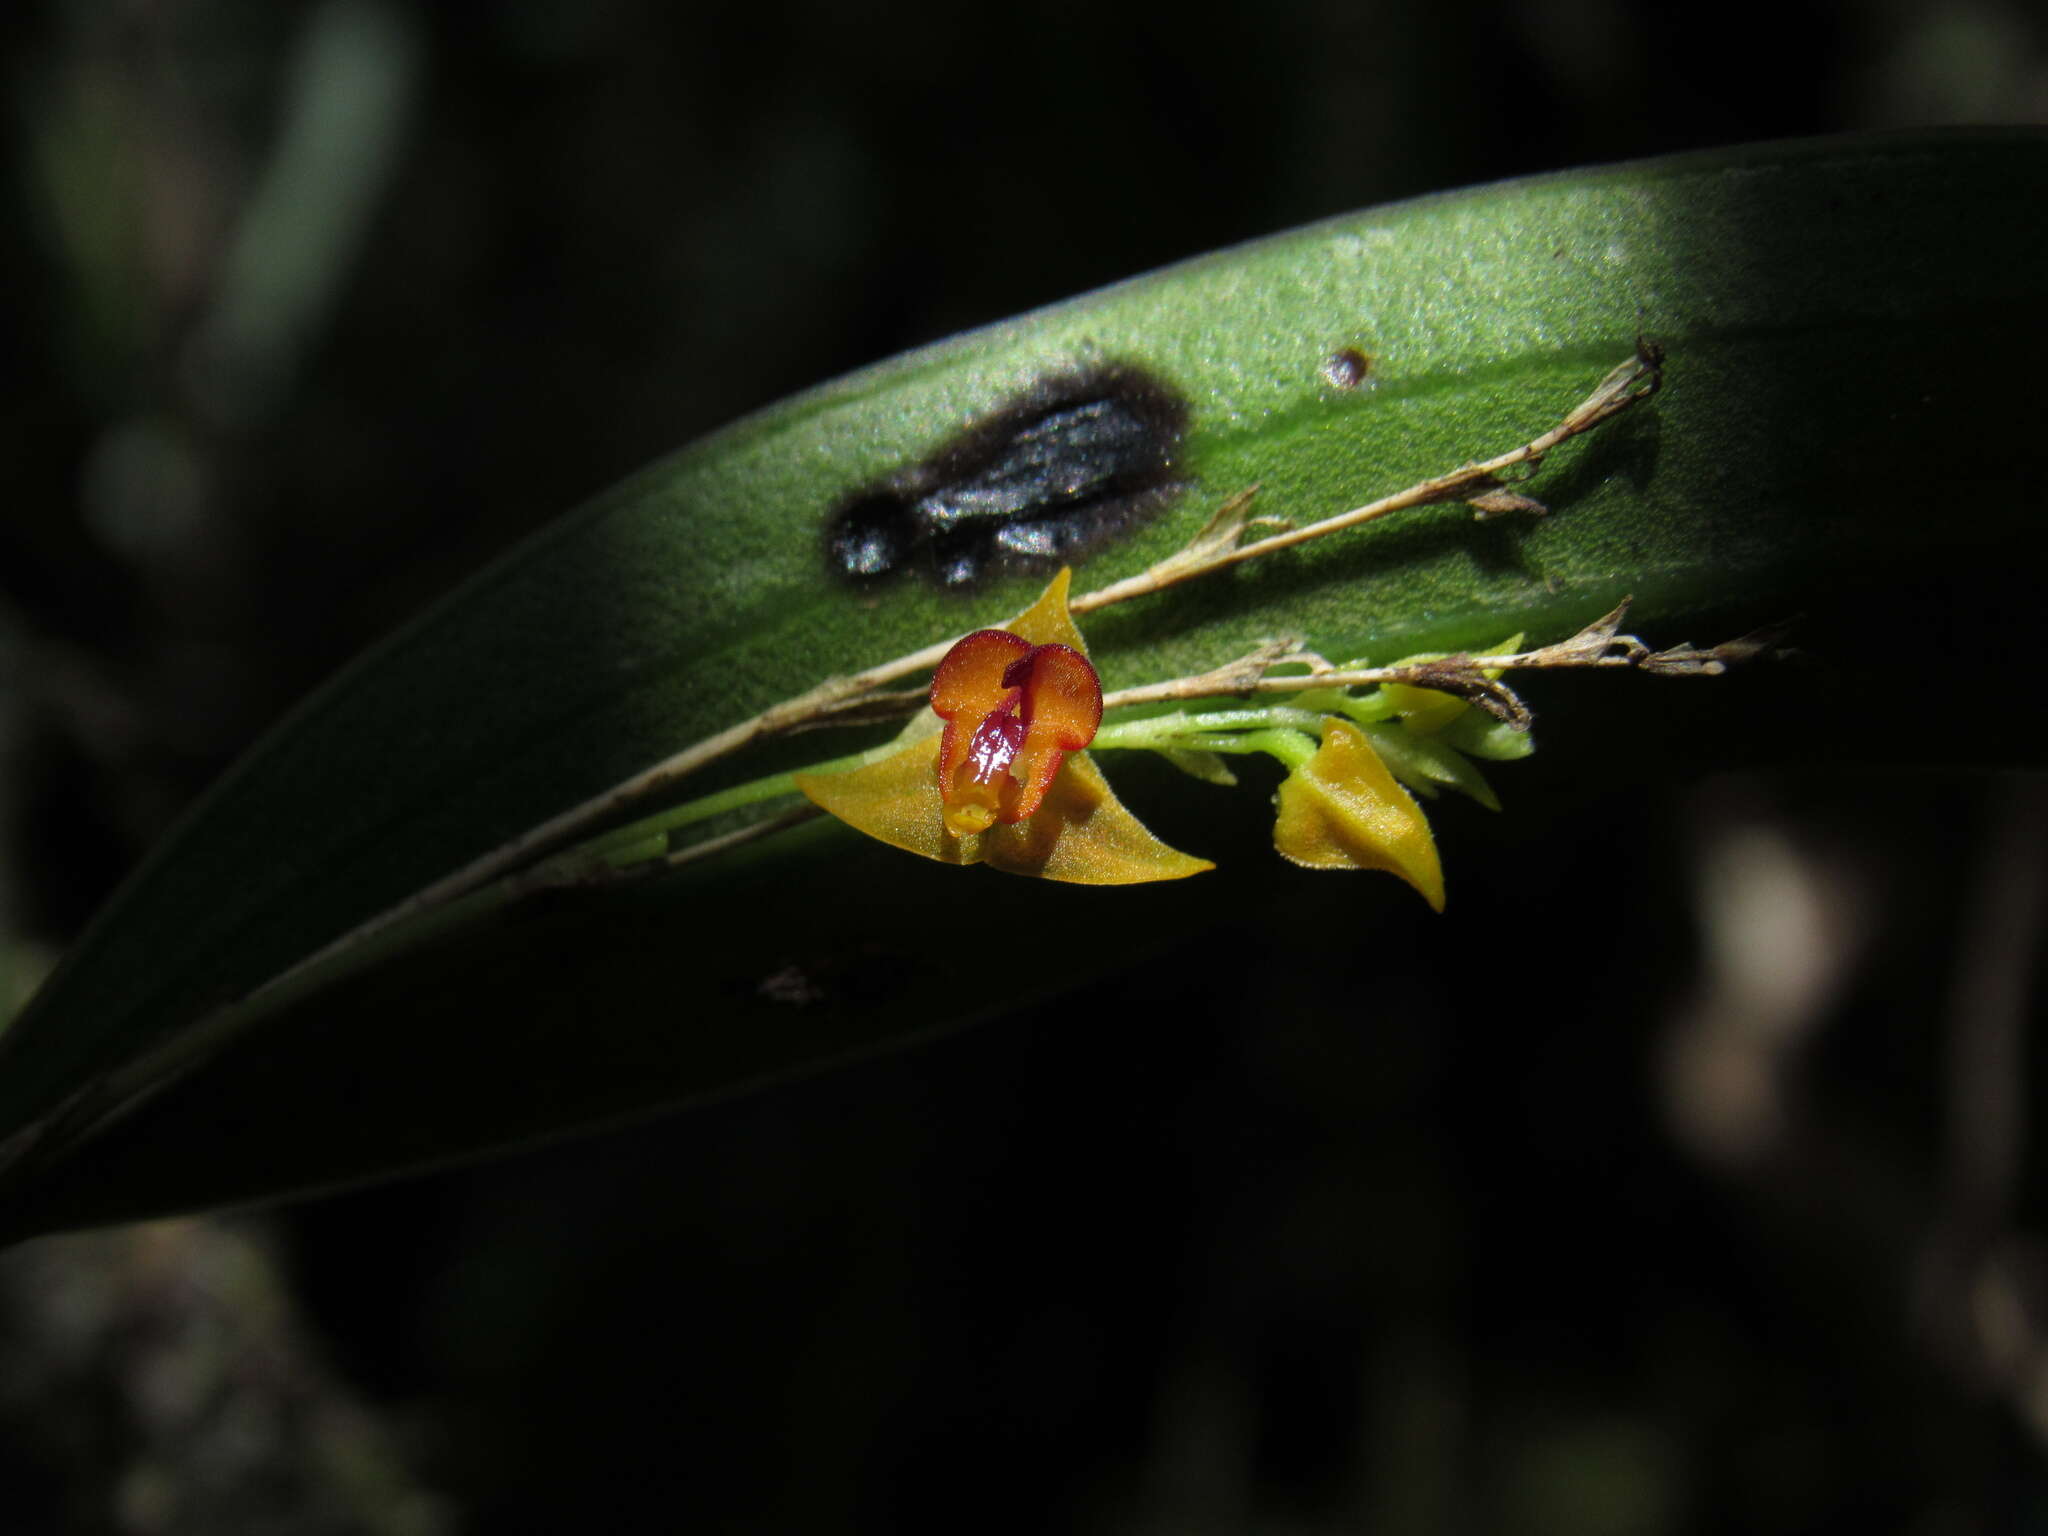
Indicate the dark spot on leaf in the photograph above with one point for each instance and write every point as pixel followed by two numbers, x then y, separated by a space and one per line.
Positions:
pixel 1044 480
pixel 1346 368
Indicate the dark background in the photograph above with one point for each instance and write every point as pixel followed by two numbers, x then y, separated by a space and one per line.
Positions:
pixel 1683 1183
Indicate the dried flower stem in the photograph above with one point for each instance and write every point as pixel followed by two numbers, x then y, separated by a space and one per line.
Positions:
pixel 1599 644
pixel 1217 546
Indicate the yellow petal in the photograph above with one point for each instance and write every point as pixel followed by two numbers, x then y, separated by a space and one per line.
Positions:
pixel 1342 810
pixel 1081 833
pixel 1047 621
pixel 895 800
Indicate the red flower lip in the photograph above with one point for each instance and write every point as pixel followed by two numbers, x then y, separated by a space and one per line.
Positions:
pixel 1013 711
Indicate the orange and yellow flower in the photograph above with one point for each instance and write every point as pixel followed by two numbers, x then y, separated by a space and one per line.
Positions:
pixel 1005 782
pixel 1342 809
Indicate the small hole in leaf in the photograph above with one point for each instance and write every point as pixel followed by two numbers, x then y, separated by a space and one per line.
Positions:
pixel 1346 368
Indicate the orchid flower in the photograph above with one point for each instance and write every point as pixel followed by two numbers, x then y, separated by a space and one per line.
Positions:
pixel 1004 781
pixel 1342 809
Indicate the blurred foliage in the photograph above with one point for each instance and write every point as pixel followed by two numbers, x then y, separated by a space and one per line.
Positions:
pixel 1387 1243
pixel 160 1378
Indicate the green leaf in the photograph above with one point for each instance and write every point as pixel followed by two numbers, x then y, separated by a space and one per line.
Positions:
pixel 1851 328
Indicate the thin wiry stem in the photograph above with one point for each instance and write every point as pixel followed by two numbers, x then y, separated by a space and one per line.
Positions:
pixel 1217 546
